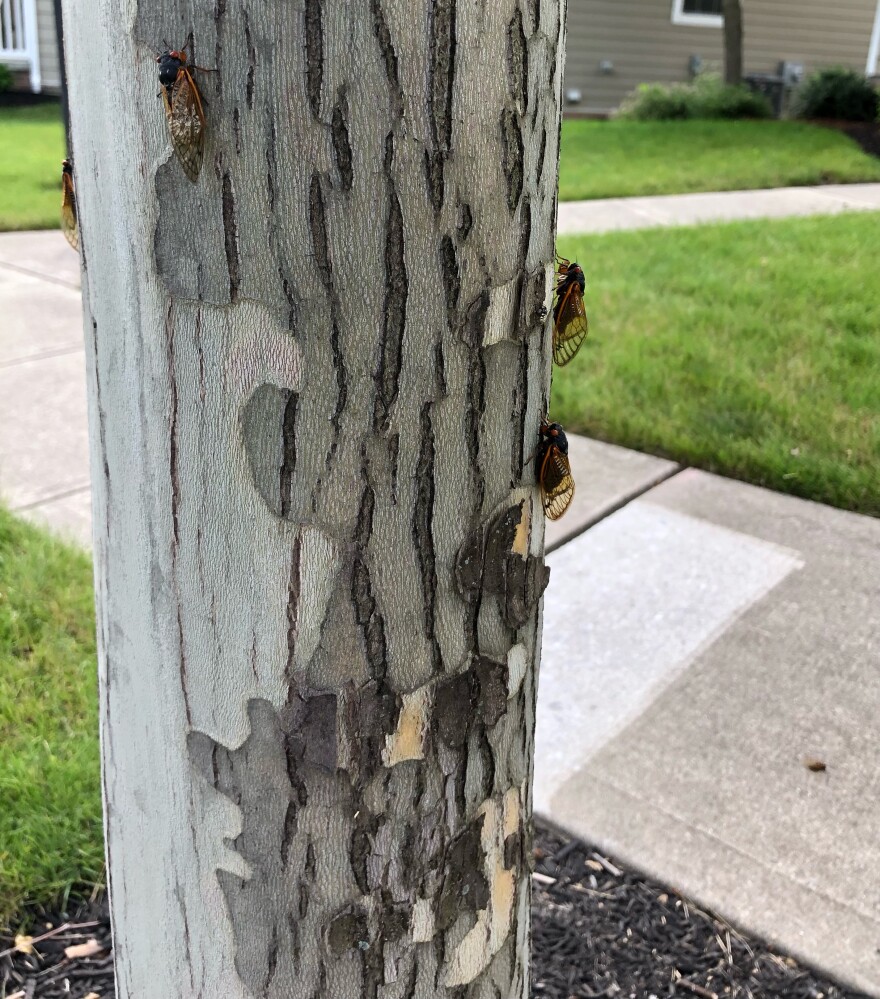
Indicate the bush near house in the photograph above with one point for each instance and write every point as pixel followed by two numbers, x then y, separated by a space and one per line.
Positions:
pixel 706 97
pixel 5 78
pixel 837 93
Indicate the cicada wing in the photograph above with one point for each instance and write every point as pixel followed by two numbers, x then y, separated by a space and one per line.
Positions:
pixel 69 223
pixel 557 483
pixel 571 325
pixel 186 123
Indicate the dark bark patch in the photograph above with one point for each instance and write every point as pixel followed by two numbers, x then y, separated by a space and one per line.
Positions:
pixel 469 566
pixel 473 327
pixel 389 57
pixel 367 616
pixel 294 588
pixel 465 887
pixel 341 390
pixel 517 61
pixel 314 36
pixel 271 162
pixel 423 529
pixel 341 144
pixel 451 279
pixel 453 707
pixel 434 165
pixel 318 226
pixel 465 221
pixel 230 236
pixel 512 156
pixel 252 62
pixel 394 320
pixel 492 683
pixel 288 451
pixel 442 72
pixel 310 721
pixel 348 931
pixel 499 544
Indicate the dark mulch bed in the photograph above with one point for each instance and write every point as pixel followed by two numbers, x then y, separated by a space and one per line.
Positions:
pixel 597 931
pixel 865 133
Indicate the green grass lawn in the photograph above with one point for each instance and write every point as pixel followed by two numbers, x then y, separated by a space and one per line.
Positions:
pixel 31 151
pixel 749 349
pixel 50 807
pixel 612 159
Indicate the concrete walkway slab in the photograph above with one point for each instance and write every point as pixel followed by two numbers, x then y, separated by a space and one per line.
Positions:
pixel 720 635
pixel 38 318
pixel 692 209
pixel 44 450
pixel 606 476
pixel 45 254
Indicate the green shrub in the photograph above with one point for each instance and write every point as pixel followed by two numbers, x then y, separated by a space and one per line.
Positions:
pixel 5 78
pixel 837 93
pixel 706 97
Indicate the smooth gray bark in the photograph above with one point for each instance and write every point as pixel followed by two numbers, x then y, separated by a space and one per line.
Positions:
pixel 733 41
pixel 315 377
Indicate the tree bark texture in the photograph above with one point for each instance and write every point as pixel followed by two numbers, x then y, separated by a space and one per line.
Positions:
pixel 316 378
pixel 733 42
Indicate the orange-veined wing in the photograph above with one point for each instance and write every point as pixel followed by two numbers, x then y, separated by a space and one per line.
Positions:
pixel 69 223
pixel 557 483
pixel 186 122
pixel 571 325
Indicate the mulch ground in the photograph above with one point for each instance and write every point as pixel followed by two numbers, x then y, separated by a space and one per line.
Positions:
pixel 865 133
pixel 597 930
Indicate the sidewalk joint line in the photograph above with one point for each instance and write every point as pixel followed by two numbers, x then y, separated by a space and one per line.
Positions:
pixel 42 277
pixel 43 356
pixel 66 494
pixel 617 505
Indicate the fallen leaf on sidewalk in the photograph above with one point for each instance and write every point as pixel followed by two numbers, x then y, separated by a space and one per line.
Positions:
pixel 817 766
pixel 87 949
pixel 93 995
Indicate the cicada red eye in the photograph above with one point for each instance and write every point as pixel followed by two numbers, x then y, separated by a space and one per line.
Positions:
pixel 570 324
pixel 554 471
pixel 183 110
pixel 69 223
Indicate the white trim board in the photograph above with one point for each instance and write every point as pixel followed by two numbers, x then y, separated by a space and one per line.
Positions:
pixel 873 66
pixel 696 20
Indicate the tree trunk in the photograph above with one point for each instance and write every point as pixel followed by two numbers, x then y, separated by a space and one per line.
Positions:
pixel 733 42
pixel 316 376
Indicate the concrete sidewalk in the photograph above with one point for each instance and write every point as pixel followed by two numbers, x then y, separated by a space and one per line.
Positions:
pixel 692 209
pixel 701 639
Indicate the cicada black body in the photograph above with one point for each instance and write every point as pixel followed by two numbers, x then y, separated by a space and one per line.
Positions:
pixel 570 325
pixel 554 471
pixel 69 223
pixel 183 109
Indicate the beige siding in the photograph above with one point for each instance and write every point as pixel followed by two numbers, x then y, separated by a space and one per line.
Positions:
pixel 639 38
pixel 48 46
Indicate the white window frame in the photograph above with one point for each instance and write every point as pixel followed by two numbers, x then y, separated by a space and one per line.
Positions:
pixel 695 20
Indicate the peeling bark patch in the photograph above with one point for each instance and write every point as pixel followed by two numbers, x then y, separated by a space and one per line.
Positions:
pixel 517 61
pixel 341 145
pixel 465 887
pixel 311 727
pixel 394 322
pixel 230 236
pixel 347 931
pixel 389 57
pixel 512 156
pixel 314 32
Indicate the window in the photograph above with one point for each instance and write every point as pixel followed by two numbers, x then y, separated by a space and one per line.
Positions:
pixel 703 13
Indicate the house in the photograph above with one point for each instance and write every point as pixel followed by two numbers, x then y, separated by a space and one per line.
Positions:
pixel 614 45
pixel 28 44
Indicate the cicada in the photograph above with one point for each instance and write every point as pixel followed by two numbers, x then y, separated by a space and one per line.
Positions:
pixel 183 109
pixel 554 470
pixel 69 224
pixel 570 324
